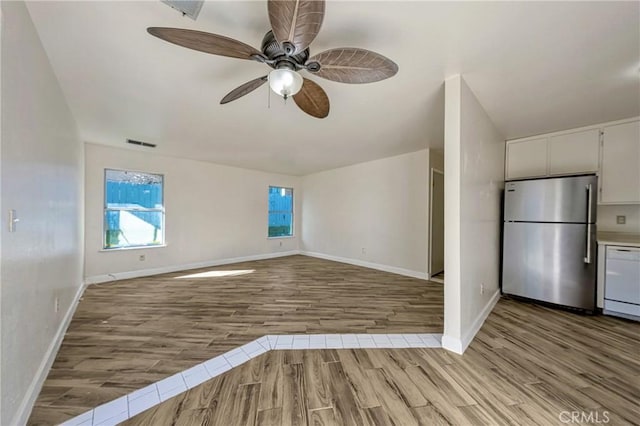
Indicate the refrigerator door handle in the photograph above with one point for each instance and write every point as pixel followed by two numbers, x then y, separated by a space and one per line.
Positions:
pixel 589 188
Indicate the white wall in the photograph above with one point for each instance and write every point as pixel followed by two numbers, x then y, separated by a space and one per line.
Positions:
pixel 607 218
pixel 380 206
pixel 42 179
pixel 213 213
pixel 474 161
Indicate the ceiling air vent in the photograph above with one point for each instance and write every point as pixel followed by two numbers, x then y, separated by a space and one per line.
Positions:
pixel 147 144
pixel 186 7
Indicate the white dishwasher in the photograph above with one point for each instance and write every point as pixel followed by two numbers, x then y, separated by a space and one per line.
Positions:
pixel 622 282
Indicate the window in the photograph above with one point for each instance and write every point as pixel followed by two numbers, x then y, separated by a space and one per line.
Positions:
pixel 133 209
pixel 280 211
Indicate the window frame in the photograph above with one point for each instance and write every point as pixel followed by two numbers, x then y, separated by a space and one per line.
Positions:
pixel 105 209
pixel 293 217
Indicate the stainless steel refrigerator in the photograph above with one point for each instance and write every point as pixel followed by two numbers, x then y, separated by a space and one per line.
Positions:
pixel 549 251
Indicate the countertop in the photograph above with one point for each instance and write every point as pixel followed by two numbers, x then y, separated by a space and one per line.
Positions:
pixel 618 239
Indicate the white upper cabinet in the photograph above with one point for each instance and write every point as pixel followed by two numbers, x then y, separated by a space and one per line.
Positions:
pixel 527 158
pixel 620 168
pixel 576 152
pixel 610 150
pixel 555 154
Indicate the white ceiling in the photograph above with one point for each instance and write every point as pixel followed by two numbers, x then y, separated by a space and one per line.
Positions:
pixel 535 66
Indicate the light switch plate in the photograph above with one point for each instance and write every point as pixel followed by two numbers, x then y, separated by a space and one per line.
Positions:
pixel 13 220
pixel 621 220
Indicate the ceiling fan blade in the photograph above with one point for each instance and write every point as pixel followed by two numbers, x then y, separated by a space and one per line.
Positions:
pixel 205 42
pixel 296 23
pixel 244 89
pixel 352 65
pixel 312 99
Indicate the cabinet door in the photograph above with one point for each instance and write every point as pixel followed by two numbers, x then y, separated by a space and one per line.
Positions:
pixel 527 158
pixel 620 174
pixel 574 152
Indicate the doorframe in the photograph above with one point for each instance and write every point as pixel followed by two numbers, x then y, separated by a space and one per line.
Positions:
pixel 431 185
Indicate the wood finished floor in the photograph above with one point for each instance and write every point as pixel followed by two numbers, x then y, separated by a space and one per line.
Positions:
pixel 128 334
pixel 526 366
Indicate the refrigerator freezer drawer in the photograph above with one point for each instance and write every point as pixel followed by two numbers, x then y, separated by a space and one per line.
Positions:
pixel 546 262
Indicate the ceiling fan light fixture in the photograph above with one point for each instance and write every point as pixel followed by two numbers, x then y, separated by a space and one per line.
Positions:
pixel 285 82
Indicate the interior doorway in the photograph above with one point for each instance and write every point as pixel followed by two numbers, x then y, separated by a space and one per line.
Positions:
pixel 436 226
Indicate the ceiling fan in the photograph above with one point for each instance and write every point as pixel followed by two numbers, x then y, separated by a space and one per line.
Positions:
pixel 285 48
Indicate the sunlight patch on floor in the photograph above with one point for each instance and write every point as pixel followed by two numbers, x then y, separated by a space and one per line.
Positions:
pixel 217 274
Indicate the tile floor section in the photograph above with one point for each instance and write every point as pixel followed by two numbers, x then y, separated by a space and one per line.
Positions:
pixel 125 407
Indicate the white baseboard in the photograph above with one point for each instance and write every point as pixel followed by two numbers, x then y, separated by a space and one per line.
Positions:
pixel 452 344
pixel 26 406
pixel 458 346
pixel 379 267
pixel 97 279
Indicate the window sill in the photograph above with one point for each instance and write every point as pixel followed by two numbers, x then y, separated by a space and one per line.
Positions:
pixel 278 238
pixel 133 248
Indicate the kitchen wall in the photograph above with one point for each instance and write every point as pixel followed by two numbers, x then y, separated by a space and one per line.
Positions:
pixel 42 179
pixel 474 163
pixel 214 214
pixel 372 213
pixel 607 218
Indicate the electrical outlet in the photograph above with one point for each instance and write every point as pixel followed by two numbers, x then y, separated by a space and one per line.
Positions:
pixel 56 304
pixel 364 250
pixel 482 288
pixel 142 258
pixel 621 220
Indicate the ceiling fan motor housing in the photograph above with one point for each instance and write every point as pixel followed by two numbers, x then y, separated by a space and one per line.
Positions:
pixel 278 55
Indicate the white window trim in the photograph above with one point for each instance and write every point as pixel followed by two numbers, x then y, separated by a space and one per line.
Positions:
pixel 106 250
pixel 105 208
pixel 293 213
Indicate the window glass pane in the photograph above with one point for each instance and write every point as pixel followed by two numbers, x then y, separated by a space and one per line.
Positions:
pixel 133 189
pixel 126 228
pixel 279 224
pixel 280 211
pixel 134 213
